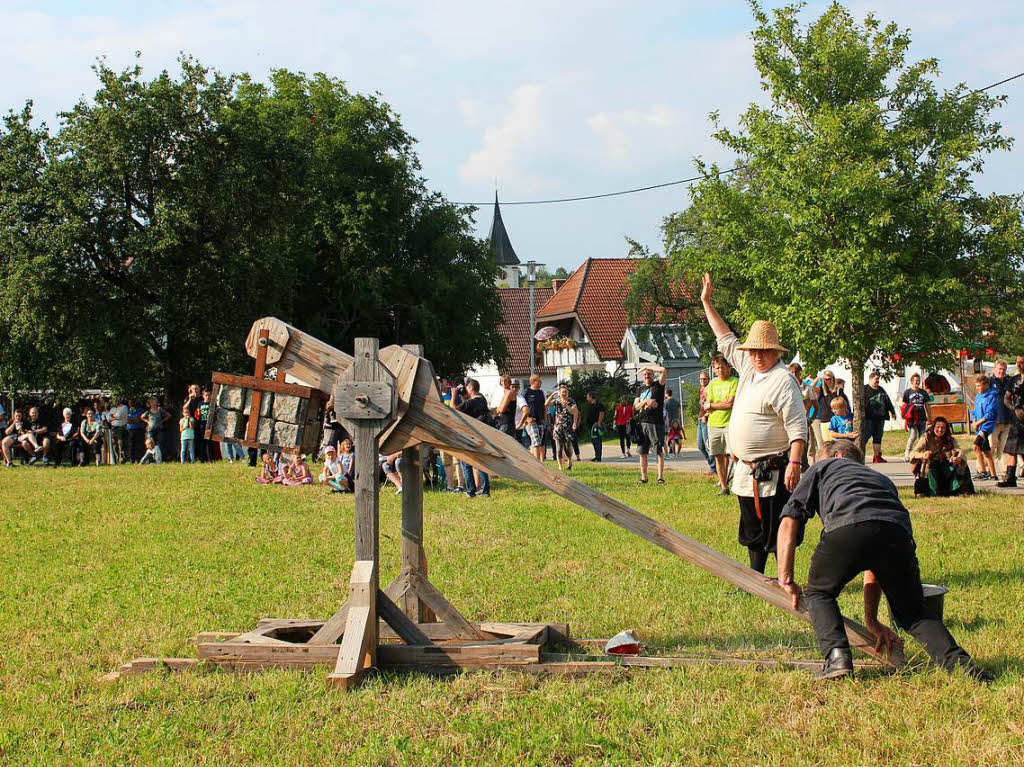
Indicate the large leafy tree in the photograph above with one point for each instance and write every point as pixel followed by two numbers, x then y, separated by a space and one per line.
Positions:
pixel 375 253
pixel 854 223
pixel 142 238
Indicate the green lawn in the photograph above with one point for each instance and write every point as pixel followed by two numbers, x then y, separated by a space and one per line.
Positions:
pixel 103 565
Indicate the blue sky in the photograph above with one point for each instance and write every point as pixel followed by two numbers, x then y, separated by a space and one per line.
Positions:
pixel 553 99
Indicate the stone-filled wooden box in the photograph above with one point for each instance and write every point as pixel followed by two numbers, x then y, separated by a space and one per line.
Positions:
pixel 288 417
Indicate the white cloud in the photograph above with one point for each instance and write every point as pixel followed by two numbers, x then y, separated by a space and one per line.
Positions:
pixel 507 143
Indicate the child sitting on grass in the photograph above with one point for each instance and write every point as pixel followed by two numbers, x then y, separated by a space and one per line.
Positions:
pixel 270 472
pixel 299 472
pixel 152 454
pixel 841 425
pixel 675 437
pixel 333 473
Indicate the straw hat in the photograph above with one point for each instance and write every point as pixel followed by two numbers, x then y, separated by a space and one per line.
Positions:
pixel 763 335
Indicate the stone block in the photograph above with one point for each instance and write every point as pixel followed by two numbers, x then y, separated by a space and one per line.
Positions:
pixel 266 403
pixel 265 431
pixel 288 408
pixel 286 434
pixel 232 397
pixel 228 423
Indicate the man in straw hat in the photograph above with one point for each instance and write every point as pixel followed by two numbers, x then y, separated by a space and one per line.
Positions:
pixel 767 430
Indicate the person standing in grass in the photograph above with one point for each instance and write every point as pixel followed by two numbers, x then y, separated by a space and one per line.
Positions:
pixel 915 417
pixel 650 404
pixel 767 430
pixel 999 382
pixel 623 414
pixel 566 421
pixel 155 418
pixel 721 394
pixel 877 409
pixel 866 530
pixel 595 422
pixel 534 397
pixel 187 435
pixel 134 431
pixel 1014 401
pixel 703 445
pixel 983 420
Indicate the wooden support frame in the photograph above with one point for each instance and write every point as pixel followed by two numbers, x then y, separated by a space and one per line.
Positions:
pixel 388 400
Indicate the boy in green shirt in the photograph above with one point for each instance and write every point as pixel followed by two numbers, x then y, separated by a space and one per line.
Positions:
pixel 720 394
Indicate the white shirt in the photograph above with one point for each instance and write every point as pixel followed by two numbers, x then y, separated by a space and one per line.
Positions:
pixel 119 415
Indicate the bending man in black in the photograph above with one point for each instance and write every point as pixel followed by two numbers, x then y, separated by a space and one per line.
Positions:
pixel 867 528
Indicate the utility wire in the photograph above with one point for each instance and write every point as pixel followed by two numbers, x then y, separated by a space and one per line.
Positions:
pixel 673 183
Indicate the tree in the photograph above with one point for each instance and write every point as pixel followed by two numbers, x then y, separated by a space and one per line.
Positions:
pixel 141 239
pixel 374 252
pixel 854 224
pixel 544 277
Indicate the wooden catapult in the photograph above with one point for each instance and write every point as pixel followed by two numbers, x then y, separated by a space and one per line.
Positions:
pixel 388 400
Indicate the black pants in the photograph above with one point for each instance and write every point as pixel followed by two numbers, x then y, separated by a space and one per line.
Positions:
pixel 598 447
pixel 623 430
pixel 888 551
pixel 760 533
pixel 133 444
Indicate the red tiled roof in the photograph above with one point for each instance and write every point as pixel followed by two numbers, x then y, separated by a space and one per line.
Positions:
pixel 594 293
pixel 516 330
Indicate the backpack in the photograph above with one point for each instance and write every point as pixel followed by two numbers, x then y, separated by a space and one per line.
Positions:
pixel 911 415
pixel 636 434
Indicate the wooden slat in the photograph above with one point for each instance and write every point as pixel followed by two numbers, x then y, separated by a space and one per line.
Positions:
pixel 458 655
pixel 359 642
pixel 264 384
pixel 406 629
pixel 445 611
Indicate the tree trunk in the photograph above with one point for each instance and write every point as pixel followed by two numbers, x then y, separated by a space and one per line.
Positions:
pixel 857 398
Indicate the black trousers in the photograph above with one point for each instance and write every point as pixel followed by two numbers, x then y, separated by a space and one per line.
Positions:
pixel 760 533
pixel 623 430
pixel 888 551
pixel 598 447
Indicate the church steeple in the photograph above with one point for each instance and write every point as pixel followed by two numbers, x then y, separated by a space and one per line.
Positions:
pixel 501 245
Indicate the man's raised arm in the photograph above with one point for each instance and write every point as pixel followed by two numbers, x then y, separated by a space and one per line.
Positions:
pixel 707 292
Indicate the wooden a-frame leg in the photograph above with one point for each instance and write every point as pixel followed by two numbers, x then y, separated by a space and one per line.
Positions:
pixel 445 610
pixel 359 645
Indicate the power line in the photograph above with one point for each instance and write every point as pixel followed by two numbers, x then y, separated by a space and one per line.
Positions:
pixel 672 183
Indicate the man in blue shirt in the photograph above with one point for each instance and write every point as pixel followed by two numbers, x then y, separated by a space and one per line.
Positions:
pixel 983 419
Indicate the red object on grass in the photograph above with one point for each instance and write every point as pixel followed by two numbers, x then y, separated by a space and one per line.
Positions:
pixel 623 643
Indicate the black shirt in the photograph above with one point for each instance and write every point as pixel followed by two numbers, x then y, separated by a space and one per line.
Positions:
pixel 476 407
pixel 877 404
pixel 535 404
pixel 34 426
pixel 843 492
pixel 655 414
pixel 594 412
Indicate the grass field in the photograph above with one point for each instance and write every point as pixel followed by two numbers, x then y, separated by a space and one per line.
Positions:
pixel 103 565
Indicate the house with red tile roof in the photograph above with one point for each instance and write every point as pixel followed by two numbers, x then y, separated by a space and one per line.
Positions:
pixel 593 332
